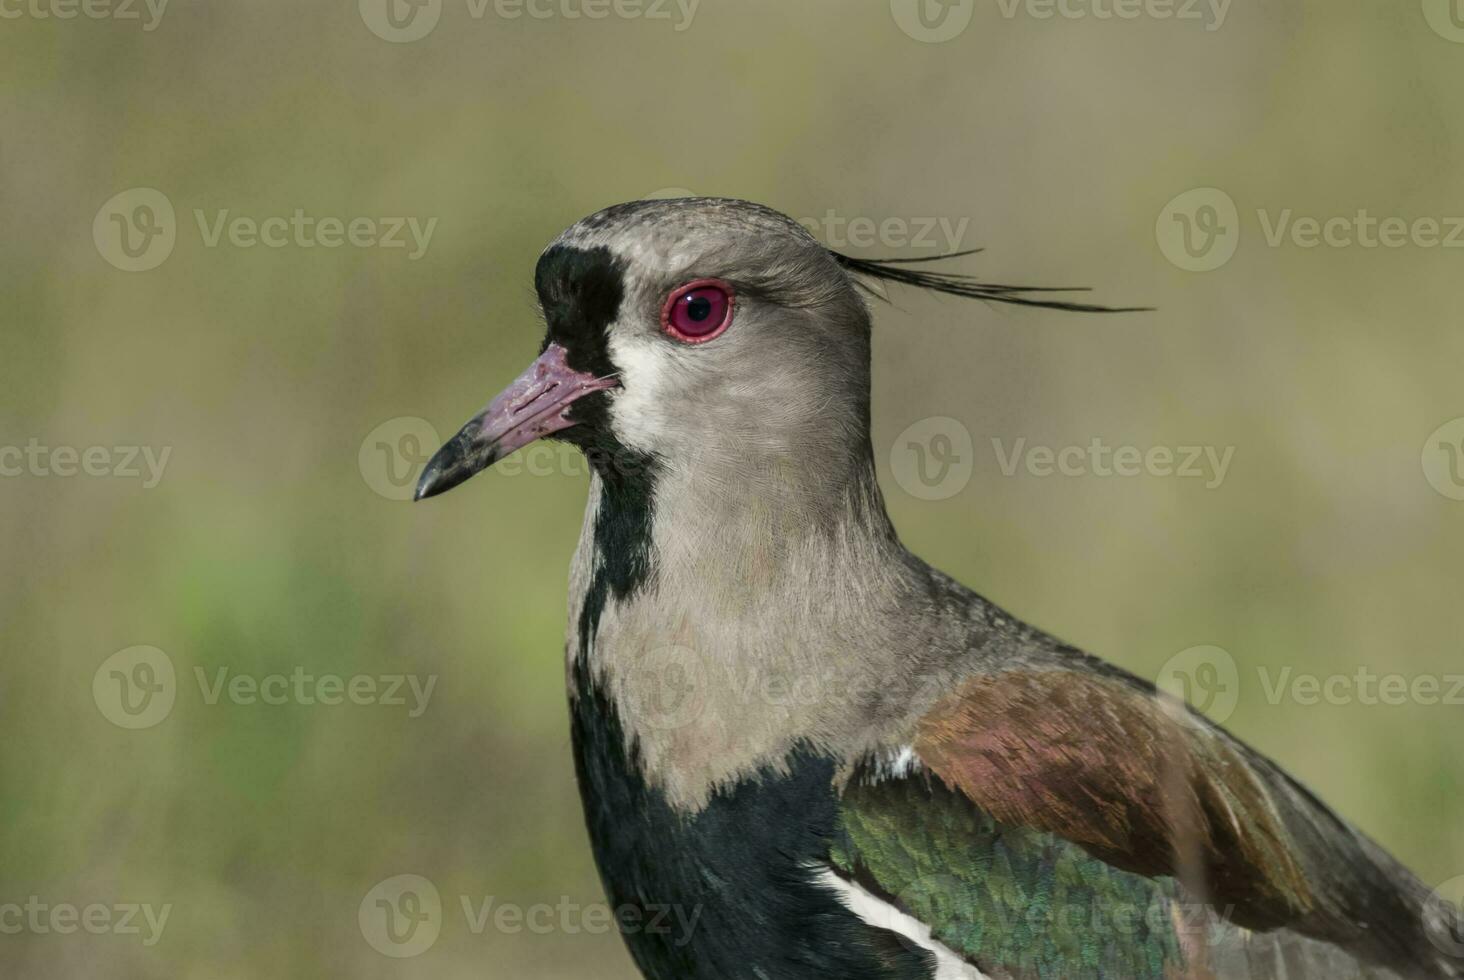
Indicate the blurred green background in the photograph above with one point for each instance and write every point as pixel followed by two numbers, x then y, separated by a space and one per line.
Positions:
pixel 271 541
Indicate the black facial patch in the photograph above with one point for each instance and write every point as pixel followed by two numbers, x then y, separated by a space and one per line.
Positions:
pixel 580 290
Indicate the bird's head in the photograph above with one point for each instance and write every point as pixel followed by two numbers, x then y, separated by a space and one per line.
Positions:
pixel 694 331
pixel 675 329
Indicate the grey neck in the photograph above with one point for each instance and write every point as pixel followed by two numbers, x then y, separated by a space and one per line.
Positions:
pixel 773 601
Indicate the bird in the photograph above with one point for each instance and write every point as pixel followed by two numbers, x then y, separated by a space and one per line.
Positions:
pixel 803 752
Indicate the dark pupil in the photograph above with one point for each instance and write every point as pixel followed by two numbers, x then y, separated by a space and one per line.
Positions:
pixel 698 308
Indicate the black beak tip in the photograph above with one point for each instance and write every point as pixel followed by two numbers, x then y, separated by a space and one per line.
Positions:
pixel 453 464
pixel 437 479
pixel 425 486
pixel 438 475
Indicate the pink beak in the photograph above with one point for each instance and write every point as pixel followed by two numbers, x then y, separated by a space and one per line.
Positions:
pixel 534 405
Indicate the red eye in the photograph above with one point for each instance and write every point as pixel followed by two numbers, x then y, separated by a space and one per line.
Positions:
pixel 698 311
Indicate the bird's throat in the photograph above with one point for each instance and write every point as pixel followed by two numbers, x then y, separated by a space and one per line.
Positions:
pixel 719 626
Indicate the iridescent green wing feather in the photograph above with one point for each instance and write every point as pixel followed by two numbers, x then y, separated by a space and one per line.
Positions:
pixel 1013 901
pixel 1067 822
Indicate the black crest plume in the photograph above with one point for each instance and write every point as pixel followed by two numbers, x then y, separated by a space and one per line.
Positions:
pixel 968 287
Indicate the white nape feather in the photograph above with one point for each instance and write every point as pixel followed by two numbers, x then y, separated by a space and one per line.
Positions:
pixel 882 915
pixel 894 764
pixel 904 763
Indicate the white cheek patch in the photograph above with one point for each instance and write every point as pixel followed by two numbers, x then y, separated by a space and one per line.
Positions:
pixel 637 408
